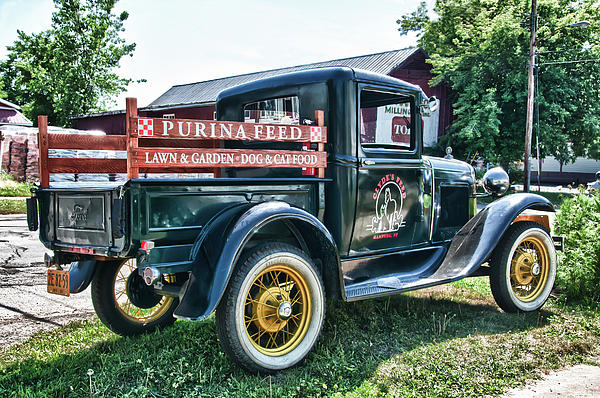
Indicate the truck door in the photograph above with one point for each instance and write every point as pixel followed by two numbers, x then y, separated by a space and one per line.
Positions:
pixel 393 210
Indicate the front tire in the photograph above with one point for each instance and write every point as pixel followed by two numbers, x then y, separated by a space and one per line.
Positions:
pixel 523 268
pixel 273 309
pixel 125 304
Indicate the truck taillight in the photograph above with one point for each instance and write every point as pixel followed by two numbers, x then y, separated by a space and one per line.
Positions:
pixel 84 250
pixel 146 245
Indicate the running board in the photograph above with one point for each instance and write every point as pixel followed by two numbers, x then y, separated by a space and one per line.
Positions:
pixel 388 285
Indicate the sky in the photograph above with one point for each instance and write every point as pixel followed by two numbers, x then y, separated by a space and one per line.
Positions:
pixel 179 42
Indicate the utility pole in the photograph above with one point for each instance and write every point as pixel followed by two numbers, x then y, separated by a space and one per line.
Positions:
pixel 530 96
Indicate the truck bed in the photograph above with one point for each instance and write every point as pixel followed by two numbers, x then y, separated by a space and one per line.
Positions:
pixel 111 220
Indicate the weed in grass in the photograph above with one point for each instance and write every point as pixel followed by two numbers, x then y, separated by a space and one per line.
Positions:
pixel 440 325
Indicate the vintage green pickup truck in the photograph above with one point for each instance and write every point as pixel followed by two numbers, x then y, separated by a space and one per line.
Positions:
pixel 316 188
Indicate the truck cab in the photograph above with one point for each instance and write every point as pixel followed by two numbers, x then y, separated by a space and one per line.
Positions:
pixel 381 192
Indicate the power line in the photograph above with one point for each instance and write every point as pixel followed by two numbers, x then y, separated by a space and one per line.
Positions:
pixel 570 62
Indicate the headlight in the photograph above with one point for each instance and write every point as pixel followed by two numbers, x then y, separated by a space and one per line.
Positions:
pixel 496 181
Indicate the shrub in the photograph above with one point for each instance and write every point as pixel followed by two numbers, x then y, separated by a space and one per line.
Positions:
pixel 9 187
pixel 578 220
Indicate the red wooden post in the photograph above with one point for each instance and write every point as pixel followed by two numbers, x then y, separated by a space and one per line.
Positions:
pixel 131 114
pixel 43 151
pixel 320 119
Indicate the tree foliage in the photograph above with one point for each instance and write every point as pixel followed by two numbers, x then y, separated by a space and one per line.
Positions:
pixel 480 49
pixel 70 68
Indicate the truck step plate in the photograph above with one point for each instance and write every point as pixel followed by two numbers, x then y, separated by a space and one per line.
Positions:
pixel 388 285
pixel 58 282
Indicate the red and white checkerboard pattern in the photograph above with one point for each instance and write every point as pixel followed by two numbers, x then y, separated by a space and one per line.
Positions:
pixel 316 134
pixel 145 127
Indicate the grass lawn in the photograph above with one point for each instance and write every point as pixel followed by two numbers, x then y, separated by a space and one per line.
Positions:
pixel 12 206
pixel 449 341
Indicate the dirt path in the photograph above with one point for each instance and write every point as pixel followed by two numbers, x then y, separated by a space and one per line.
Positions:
pixel 580 381
pixel 25 306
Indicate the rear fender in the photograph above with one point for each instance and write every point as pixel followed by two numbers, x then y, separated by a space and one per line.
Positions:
pixel 218 248
pixel 81 274
pixel 478 238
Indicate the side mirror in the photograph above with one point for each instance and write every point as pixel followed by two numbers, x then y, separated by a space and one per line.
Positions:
pixel 434 104
pixel 496 182
pixel 428 106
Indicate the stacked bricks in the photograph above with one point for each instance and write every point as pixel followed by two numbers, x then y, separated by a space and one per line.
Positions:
pixel 20 153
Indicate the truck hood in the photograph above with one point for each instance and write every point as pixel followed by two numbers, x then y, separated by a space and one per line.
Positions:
pixel 452 170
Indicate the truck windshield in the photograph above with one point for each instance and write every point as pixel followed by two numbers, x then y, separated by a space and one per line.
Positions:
pixel 385 120
pixel 275 111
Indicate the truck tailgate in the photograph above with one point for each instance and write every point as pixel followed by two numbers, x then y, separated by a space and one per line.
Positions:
pixel 81 217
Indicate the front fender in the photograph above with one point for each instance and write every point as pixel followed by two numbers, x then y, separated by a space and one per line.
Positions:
pixel 477 239
pixel 219 246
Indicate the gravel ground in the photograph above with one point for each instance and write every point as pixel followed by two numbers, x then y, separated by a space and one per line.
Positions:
pixel 25 306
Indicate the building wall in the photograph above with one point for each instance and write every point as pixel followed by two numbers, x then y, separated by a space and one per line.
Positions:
pixel 13 116
pixel 115 124
pixel 110 124
pixel 417 71
pixel 201 112
pixel 577 173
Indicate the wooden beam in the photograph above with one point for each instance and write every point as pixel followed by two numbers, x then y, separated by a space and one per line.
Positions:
pixel 178 170
pixel 174 143
pixel 87 142
pixel 131 113
pixel 80 165
pixel 43 151
pixel 320 119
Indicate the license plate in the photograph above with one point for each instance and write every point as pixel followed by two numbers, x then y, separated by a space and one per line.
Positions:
pixel 58 282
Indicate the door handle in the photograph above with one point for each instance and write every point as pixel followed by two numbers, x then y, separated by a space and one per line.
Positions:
pixel 366 162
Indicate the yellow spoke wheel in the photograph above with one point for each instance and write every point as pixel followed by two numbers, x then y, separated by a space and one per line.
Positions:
pixel 529 269
pixel 277 310
pixel 273 309
pixel 523 268
pixel 136 301
pixel 125 304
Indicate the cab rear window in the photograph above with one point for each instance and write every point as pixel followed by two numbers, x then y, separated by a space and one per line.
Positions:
pixel 274 111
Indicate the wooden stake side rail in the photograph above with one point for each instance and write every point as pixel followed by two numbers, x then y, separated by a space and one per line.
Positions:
pixel 183 145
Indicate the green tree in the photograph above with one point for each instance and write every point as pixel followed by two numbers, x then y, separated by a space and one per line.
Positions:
pixel 70 68
pixel 480 49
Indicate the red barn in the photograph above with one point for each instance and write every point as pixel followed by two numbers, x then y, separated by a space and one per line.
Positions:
pixel 197 100
pixel 10 115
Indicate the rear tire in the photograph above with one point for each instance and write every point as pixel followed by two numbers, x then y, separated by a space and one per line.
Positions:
pixel 125 304
pixel 273 309
pixel 523 268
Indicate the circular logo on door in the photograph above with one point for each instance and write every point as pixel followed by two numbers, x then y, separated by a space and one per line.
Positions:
pixel 389 198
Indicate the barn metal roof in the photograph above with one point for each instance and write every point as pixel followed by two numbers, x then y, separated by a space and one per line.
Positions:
pixel 207 91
